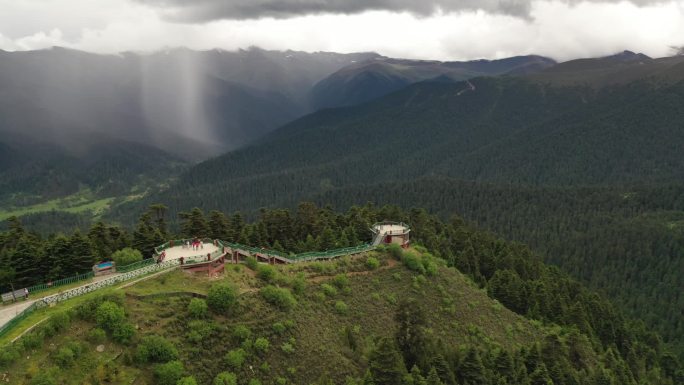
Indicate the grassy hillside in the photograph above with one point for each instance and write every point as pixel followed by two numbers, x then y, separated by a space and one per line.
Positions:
pixel 314 323
pixel 308 343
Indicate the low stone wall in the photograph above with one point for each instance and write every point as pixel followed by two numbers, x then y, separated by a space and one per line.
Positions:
pixel 53 299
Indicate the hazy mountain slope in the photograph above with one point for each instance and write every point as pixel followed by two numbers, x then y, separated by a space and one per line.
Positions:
pixel 621 68
pixel 507 130
pixel 42 170
pixel 371 79
pixel 205 101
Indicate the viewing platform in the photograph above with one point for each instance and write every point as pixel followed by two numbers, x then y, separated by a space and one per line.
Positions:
pixel 391 232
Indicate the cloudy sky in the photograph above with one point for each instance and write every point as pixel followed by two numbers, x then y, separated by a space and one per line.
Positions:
pixel 430 29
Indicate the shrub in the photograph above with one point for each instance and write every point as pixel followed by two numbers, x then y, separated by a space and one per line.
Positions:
pixel 267 273
pixel 155 349
pixel 187 381
pixel 64 357
pixel 97 336
pixel 109 314
pixel 280 297
pixel 413 262
pixel 241 332
pixel 56 323
pixel 372 263
pixel 341 307
pixel 225 378
pixel 252 263
pixel 197 308
pixel 289 323
pixel 341 281
pixel 88 309
pixel 123 333
pixel 279 328
pixel 222 298
pixel 329 290
pixel 287 348
pixel 45 377
pixel 199 330
pixel 261 345
pixel 235 358
pixel 254 381
pixel 32 341
pixel 430 266
pixel 395 251
pixel 299 284
pixel 8 355
pixel 75 346
pixel 169 373
pixel 126 256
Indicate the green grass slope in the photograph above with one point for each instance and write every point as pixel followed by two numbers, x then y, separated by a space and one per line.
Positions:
pixel 328 334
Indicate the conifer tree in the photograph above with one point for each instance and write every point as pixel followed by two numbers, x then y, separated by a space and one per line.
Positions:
pixel 99 239
pixel 385 364
pixel 410 335
pixel 433 377
pixel 58 258
pixel 159 214
pixel 81 252
pixel 193 224
pixel 27 262
pixel 144 239
pixel 237 223
pixel 503 364
pixel 326 240
pixel 472 371
pixel 218 225
pixel 540 376
pixel 416 377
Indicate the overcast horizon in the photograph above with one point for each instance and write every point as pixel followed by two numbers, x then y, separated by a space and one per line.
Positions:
pixel 431 30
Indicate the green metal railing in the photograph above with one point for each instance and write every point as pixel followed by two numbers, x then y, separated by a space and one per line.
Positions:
pixel 302 257
pixel 18 318
pixel 60 282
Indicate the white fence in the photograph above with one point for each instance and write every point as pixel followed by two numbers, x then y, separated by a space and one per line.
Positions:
pixel 53 299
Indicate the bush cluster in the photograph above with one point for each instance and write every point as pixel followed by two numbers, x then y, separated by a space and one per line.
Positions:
pixel 222 298
pixel 277 296
pixel 197 308
pixel 155 349
pixel 126 256
pixel 169 373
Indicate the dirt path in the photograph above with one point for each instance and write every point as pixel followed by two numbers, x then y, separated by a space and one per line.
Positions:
pixel 320 278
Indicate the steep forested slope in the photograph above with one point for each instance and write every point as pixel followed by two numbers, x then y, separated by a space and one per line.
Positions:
pixel 506 130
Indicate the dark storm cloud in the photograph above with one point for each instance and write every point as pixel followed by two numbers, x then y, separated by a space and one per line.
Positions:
pixel 208 10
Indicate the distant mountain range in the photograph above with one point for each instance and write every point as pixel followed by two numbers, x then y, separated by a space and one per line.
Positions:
pixel 66 106
pixel 533 130
pixel 368 80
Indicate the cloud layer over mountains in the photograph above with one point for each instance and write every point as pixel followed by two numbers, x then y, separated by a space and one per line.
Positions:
pixel 207 10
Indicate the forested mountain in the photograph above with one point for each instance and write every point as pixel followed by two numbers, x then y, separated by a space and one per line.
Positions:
pixel 504 130
pixel 559 166
pixel 368 80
